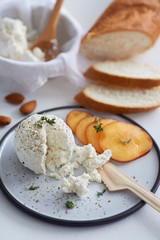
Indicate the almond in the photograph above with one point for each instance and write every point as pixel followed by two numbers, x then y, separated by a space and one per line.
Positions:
pixel 15 98
pixel 4 120
pixel 28 107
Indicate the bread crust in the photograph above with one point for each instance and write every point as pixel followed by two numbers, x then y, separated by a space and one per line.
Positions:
pixel 109 79
pixel 127 15
pixel 139 15
pixel 83 100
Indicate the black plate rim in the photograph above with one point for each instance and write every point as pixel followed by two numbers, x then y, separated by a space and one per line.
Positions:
pixel 83 223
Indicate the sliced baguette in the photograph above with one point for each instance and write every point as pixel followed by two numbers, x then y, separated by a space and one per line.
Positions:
pixel 123 73
pixel 126 27
pixel 118 100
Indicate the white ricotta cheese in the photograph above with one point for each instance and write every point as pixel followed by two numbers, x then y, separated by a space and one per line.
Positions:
pixel 94 176
pixel 30 144
pixel 14 43
pixel 61 144
pixel 51 145
pixel 78 185
pixel 65 170
pixel 90 160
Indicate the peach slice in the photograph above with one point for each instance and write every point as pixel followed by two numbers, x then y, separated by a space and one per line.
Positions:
pixel 93 136
pixel 74 117
pixel 126 141
pixel 81 129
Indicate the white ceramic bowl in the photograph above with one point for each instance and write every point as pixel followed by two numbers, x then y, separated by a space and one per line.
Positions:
pixel 32 75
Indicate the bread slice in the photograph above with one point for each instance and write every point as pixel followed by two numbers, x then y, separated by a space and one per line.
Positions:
pixel 126 28
pixel 118 100
pixel 123 73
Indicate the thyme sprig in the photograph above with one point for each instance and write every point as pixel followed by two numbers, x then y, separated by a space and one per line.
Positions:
pixel 32 188
pixel 50 121
pixel 125 141
pixel 98 127
pixel 101 193
pixel 39 123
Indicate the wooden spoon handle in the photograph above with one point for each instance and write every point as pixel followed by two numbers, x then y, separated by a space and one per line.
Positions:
pixel 117 180
pixel 51 28
pixel 145 194
pixel 54 17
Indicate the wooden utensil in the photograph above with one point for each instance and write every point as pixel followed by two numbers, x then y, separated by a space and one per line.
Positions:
pixel 116 180
pixel 47 42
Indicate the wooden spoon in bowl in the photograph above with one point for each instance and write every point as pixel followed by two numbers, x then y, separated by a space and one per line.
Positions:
pixel 47 42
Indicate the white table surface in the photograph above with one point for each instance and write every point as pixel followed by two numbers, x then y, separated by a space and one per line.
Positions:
pixel 17 225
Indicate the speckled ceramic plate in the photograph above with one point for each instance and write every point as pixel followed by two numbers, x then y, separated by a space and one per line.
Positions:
pixel 48 201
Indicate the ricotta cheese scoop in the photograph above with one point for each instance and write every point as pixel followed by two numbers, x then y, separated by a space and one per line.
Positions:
pixel 15 41
pixel 43 141
pixel 90 160
pixel 46 142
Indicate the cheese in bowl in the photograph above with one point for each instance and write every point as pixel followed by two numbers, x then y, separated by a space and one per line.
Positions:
pixel 15 40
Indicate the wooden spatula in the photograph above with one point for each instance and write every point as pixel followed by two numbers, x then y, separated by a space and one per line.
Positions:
pixel 116 180
pixel 47 42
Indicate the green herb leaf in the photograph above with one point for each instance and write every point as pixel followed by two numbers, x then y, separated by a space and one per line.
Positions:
pixel 101 193
pixel 97 119
pixel 99 126
pixel 50 121
pixel 38 124
pixel 69 204
pixel 32 187
pixel 125 141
